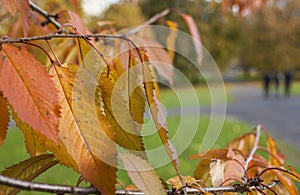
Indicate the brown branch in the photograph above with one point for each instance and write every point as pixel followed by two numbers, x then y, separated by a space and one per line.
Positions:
pixel 49 18
pixel 61 189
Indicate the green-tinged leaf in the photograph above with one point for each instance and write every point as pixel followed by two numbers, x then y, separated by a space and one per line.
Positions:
pixel 27 170
pixel 275 157
pixel 28 88
pixel 152 95
pixel 142 174
pixel 37 144
pixel 4 118
pixel 125 123
pixel 85 132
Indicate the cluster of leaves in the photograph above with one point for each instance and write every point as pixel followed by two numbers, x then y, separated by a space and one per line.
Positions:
pixel 81 111
pixel 249 163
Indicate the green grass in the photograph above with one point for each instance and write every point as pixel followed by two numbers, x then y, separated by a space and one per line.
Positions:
pixel 190 96
pixel 296 88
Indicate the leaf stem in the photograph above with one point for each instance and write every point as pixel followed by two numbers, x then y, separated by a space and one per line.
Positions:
pixel 255 146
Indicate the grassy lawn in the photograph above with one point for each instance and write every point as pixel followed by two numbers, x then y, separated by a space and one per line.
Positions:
pixel 296 88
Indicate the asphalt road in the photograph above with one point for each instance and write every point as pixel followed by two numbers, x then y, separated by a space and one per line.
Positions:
pixel 279 115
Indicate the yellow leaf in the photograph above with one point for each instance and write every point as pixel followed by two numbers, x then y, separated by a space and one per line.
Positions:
pixel 27 170
pixel 152 95
pixel 84 134
pixel 171 39
pixel 294 175
pixel 142 174
pixel 124 123
pixel 36 144
pixel 175 182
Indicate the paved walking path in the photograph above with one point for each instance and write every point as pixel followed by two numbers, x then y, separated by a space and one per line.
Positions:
pixel 280 116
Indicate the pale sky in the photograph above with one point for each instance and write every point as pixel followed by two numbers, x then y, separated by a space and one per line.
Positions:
pixel 96 7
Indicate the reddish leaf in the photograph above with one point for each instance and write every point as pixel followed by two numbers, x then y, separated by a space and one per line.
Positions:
pixel 4 118
pixel 73 18
pixel 28 88
pixel 12 6
pixel 234 168
pixel 244 143
pixel 195 34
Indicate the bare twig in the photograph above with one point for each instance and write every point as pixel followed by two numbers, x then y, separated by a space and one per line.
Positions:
pixel 255 146
pixel 49 18
pixel 55 36
pixel 61 189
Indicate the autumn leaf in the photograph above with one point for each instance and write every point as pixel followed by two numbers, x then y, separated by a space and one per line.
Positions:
pixel 68 16
pixel 84 133
pixel 27 170
pixel 28 88
pixel 201 171
pixel 234 167
pixel 4 118
pixel 216 172
pixel 244 143
pixel 171 39
pixel 37 144
pixel 175 182
pixel 286 181
pixel 142 174
pixel 157 54
pixel 210 154
pixel 152 94
pixel 195 35
pixel 127 128
pixel 275 157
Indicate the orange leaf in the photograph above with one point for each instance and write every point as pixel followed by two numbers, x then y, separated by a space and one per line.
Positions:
pixel 28 88
pixel 210 154
pixel 201 171
pixel 4 118
pixel 244 143
pixel 11 6
pixel 286 181
pixel 171 39
pixel 86 136
pixel 175 182
pixel 294 175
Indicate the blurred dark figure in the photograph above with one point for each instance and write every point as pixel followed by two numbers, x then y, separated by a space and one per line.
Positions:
pixel 287 83
pixel 266 83
pixel 275 78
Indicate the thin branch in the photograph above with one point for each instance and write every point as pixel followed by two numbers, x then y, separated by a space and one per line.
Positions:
pixel 61 189
pixel 150 21
pixel 255 146
pixel 55 36
pixel 49 18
